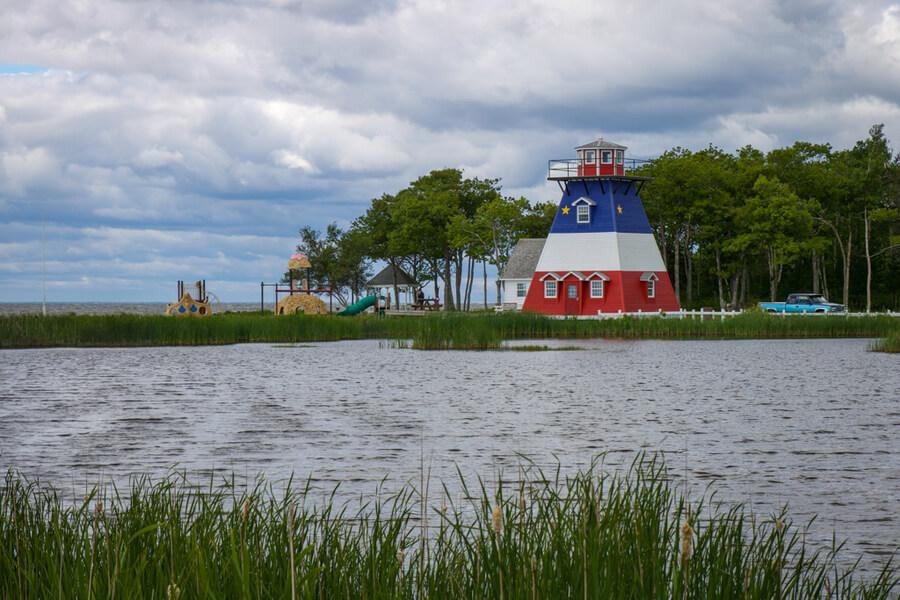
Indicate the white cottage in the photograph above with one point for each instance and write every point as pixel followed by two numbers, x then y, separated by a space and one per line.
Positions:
pixel 519 269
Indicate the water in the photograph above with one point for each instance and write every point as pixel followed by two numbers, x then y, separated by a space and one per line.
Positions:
pixel 811 423
pixel 113 308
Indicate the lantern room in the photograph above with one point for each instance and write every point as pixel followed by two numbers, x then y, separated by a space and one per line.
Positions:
pixel 600 158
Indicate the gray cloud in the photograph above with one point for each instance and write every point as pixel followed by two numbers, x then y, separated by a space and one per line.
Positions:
pixel 233 123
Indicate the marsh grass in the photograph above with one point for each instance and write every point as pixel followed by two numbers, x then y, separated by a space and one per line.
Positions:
pixel 588 535
pixel 481 331
pixel 889 344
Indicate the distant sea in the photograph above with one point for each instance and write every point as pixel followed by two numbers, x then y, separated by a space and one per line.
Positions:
pixel 113 308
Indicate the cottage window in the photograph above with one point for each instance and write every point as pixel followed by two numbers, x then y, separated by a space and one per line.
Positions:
pixel 521 289
pixel 584 213
pixel 550 289
pixel 596 288
pixel 620 157
pixel 651 288
pixel 606 157
pixel 589 157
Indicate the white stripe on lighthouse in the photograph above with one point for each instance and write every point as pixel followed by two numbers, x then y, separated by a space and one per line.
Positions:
pixel 600 251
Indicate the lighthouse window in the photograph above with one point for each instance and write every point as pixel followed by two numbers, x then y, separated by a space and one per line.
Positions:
pixel 520 290
pixel 620 157
pixel 589 156
pixel 596 288
pixel 549 289
pixel 606 157
pixel 651 288
pixel 584 213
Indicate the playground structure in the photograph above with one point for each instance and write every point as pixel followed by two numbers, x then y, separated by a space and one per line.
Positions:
pixel 299 295
pixel 193 301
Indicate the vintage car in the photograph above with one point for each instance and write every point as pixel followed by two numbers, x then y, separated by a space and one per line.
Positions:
pixel 803 303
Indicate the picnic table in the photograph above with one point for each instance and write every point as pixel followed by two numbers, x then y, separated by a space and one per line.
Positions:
pixel 426 304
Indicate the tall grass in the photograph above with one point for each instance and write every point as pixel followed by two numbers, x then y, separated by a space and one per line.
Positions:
pixel 889 344
pixel 584 536
pixel 440 331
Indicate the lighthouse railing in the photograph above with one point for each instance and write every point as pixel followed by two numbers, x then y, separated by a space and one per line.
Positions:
pixel 561 168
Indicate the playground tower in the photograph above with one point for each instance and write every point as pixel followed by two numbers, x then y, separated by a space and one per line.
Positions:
pixel 601 255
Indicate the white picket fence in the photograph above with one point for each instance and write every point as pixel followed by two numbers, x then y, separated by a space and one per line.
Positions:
pixel 723 314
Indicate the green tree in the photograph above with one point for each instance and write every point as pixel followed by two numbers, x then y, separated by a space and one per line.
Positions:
pixel 779 223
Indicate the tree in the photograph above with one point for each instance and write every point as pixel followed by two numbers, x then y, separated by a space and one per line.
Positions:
pixel 779 223
pixel 420 220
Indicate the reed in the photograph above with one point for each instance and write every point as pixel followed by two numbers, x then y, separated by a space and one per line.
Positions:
pixel 889 344
pixel 585 535
pixel 480 331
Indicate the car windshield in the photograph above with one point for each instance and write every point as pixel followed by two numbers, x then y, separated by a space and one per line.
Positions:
pixel 818 299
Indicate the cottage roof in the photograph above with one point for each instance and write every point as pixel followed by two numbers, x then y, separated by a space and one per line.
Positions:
pixel 385 278
pixel 523 259
pixel 601 143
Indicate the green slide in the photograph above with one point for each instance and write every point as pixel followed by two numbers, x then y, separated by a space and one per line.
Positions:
pixel 358 307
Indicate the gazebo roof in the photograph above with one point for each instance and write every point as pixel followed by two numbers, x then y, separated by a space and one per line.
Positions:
pixel 385 278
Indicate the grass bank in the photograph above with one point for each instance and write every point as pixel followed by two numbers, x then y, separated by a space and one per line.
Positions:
pixel 588 535
pixel 440 331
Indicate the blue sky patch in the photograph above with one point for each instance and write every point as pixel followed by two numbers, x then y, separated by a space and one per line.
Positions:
pixel 13 69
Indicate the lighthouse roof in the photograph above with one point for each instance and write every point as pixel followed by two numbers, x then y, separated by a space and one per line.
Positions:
pixel 602 144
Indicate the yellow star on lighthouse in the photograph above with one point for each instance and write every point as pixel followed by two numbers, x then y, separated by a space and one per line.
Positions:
pixel 619 209
pixel 565 210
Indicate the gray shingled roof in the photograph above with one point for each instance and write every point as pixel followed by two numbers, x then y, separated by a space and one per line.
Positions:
pixel 601 143
pixel 386 279
pixel 523 259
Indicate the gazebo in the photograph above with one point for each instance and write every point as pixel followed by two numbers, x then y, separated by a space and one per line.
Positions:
pixel 393 277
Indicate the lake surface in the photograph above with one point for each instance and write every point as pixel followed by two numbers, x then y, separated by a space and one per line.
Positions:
pixel 115 308
pixel 812 423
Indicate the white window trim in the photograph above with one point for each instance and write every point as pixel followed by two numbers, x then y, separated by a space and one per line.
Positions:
pixel 606 162
pixel 593 289
pixel 602 276
pixel 651 288
pixel 547 288
pixel 592 161
pixel 523 288
pixel 583 210
pixel 620 157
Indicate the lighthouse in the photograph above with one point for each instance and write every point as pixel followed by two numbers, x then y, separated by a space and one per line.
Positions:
pixel 600 256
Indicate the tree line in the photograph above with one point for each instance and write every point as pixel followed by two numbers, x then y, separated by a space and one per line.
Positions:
pixel 438 229
pixel 732 228
pixel 736 227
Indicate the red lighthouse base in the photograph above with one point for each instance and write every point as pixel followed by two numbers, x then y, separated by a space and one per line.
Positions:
pixel 624 291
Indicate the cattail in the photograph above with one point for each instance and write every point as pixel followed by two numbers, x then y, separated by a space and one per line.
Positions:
pixel 497 518
pixel 245 510
pixel 173 592
pixel 522 502
pixel 291 508
pixel 687 542
pixel 779 525
pixel 401 555
pixel 98 508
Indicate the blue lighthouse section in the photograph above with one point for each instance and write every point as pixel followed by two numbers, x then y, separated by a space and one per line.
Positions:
pixel 616 207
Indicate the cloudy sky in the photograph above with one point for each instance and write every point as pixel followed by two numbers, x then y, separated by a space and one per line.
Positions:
pixel 149 142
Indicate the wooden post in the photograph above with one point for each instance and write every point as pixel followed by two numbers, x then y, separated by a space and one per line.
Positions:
pixel 261 296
